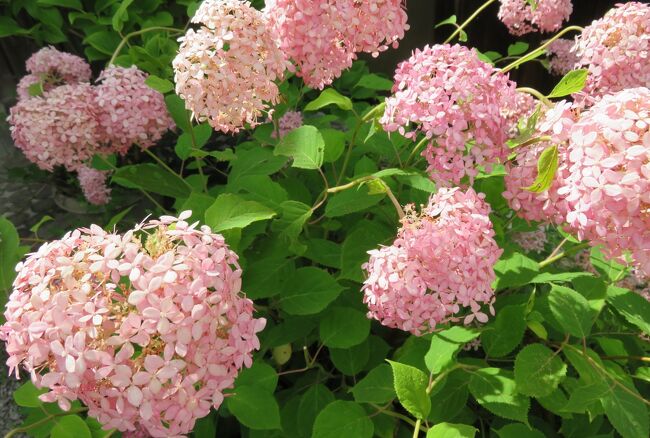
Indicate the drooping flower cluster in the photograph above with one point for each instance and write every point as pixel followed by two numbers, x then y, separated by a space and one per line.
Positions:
pixel 93 185
pixel 130 112
pixel 608 184
pixel 451 96
pixel 440 267
pixel 51 68
pixel 322 37
pixel 531 241
pixel 525 16
pixel 562 57
pixel 226 69
pixel 549 205
pixel 147 329
pixel 616 50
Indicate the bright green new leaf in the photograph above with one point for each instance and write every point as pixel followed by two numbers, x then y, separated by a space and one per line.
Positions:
pixel 546 167
pixel 329 96
pixel 376 387
pixel 121 16
pixel 342 327
pixel 230 211
pixel 70 426
pixel 176 108
pixel 538 370
pixel 159 84
pixel 517 48
pixel 309 290
pixel 27 395
pixel 445 345
pixel 255 407
pixel 343 419
pixel 451 430
pixel 411 385
pixel 305 145
pixel 572 82
pixel 496 391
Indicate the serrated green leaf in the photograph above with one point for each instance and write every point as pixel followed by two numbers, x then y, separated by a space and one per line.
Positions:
pixel 515 270
pixel 329 96
pixel 411 385
pixel 260 374
pixel 445 345
pixel 231 211
pixel 515 430
pixel 342 327
pixel 572 82
pixel 538 370
pixel 309 291
pixel 634 308
pixel 27 395
pixel 495 390
pixel 626 411
pixel 343 419
pixel 375 82
pixel 305 145
pixel 547 165
pixel 9 254
pixel 571 310
pixel 376 387
pixel 351 361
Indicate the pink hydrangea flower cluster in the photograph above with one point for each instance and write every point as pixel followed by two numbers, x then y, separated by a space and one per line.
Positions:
pixel 548 206
pixel 440 267
pixel 616 50
pixel 147 329
pixel 288 122
pixel 322 37
pixel 531 241
pixel 608 185
pixel 562 57
pixel 525 105
pixel 93 185
pixel 523 16
pixel 53 68
pixel 226 70
pixel 130 112
pixel 450 95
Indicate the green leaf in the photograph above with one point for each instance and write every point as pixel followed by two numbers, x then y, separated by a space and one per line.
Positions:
pixel 354 251
pixel 449 397
pixel 255 161
pixel 538 370
pixel 515 270
pixel 351 361
pixel 159 84
pixel 27 395
pixel 515 430
pixel 121 15
pixel 70 4
pixel 103 41
pixel 255 407
pixel 96 430
pixel 634 308
pixel 334 144
pixel 572 82
pixel 504 333
pixel 626 411
pixel 260 374
pixel 324 252
pixel 294 217
pixel 445 345
pixel 375 82
pixel 351 201
pixel 189 143
pixel 342 327
pixel 451 20
pixel 313 401
pixel 176 108
pixel 571 310
pixel 152 178
pixel 495 390
pixel 230 211
pixel 9 254
pixel 9 27
pixel 34 229
pixel 70 426
pixel 411 385
pixel 305 145
pixel 376 387
pixel 343 419
pixel 547 165
pixel 206 426
pixel 517 48
pixel 451 430
pixel 309 291
pixel 272 268
pixel 329 96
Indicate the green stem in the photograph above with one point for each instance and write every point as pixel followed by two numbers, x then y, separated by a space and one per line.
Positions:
pixel 469 20
pixel 416 428
pixel 350 184
pixel 561 255
pixel 533 92
pixel 128 36
pixel 50 417
pixel 166 167
pixel 396 204
pixel 540 49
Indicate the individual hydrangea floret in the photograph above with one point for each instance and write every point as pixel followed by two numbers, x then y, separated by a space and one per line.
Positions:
pixel 93 185
pixel 525 16
pixel 453 98
pixel 547 206
pixel 561 56
pixel 616 51
pixel 531 241
pixel 59 128
pixel 226 70
pixel 147 328
pixel 440 267
pixel 608 183
pixel 130 112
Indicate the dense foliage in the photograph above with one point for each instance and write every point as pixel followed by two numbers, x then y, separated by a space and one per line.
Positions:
pixel 332 253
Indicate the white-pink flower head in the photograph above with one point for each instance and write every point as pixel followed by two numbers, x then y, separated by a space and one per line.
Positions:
pixel 59 128
pixel 130 111
pixel 561 56
pixel 525 16
pixel 226 70
pixel 439 269
pixel 547 206
pixel 93 185
pixel 450 95
pixel 608 183
pixel 147 328
pixel 616 50
pixel 377 24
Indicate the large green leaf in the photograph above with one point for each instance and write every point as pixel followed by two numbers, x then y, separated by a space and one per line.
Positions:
pixel 573 82
pixel 343 419
pixel 634 308
pixel 351 201
pixel 451 430
pixel 444 346
pixel 308 291
pixel 9 254
pixel 259 374
pixel 329 96
pixel 411 385
pixel 255 407
pixel 538 370
pixel 352 360
pixel 571 310
pixel 313 401
pixel 626 411
pixel 231 212
pixel 151 178
pixel 27 395
pixel 495 390
pixel 342 327
pixel 70 426
pixel 376 387
pixel 505 332
pixel 305 145
pixel 515 270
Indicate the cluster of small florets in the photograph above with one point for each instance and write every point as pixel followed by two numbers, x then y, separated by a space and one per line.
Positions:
pixel 522 171
pixel 608 185
pixel 453 98
pixel 49 68
pixel 525 16
pixel 130 112
pixel 616 50
pixel 147 329
pixel 226 70
pixel 440 267
pixel 561 56
pixel 93 185
pixel 531 241
pixel 518 115
pixel 288 122
pixel 322 37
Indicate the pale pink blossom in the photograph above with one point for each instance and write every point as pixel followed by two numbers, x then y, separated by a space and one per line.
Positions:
pixel 226 70
pixel 561 56
pixel 440 267
pixel 58 67
pixel 453 98
pixel 531 241
pixel 525 16
pixel 93 185
pixel 73 320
